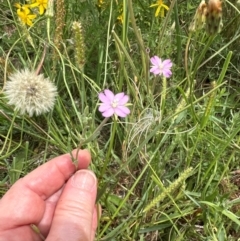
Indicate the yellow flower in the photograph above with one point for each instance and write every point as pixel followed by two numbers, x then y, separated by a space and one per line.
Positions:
pixel 24 14
pixel 100 3
pixel 120 18
pixel 160 8
pixel 41 4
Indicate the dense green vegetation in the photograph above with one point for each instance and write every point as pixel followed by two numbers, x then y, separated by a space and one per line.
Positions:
pixel 170 169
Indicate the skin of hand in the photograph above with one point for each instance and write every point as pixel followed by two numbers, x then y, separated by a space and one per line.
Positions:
pixel 55 197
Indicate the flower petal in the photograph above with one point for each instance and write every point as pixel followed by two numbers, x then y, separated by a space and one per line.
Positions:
pixel 167 73
pixel 162 12
pixel 102 97
pixel 167 63
pixel 104 107
pixel 109 94
pixel 154 5
pixel 119 96
pixel 157 11
pixel 32 16
pixel 122 111
pixel 155 70
pixel 165 6
pixel 17 5
pixel 123 100
pixel 26 10
pixel 108 112
pixel 41 9
pixel 155 60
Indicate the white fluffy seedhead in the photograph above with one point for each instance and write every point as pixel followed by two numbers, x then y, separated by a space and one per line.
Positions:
pixel 30 93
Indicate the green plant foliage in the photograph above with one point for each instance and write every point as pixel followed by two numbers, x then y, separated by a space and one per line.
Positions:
pixel 189 121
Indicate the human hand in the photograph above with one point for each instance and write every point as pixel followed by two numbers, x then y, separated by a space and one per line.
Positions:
pixel 55 198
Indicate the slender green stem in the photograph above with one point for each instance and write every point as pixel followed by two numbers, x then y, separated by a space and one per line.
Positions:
pixel 110 148
pixel 186 59
pixel 203 52
pixel 178 38
pixel 124 41
pixel 134 25
pixel 166 21
pixel 95 133
pixel 107 45
pixel 83 92
pixel 37 231
pixel 144 56
pixel 90 138
pixel 163 94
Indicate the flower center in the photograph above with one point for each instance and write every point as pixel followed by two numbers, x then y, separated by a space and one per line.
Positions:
pixel 114 103
pixel 160 66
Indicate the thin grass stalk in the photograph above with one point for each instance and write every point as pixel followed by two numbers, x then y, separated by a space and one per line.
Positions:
pixel 225 67
pixel 209 106
pixel 219 51
pixel 83 93
pixel 124 41
pixel 94 134
pixel 203 52
pixel 192 74
pixel 182 103
pixel 37 231
pixel 186 59
pixel 135 28
pixel 122 47
pixel 6 62
pixel 163 94
pixel 110 149
pixel 144 56
pixel 166 20
pixel 67 86
pixel 9 136
pixel 107 46
pixel 178 38
pixel 211 100
pixel 134 91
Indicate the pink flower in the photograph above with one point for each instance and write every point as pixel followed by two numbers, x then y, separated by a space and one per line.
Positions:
pixel 160 67
pixel 113 104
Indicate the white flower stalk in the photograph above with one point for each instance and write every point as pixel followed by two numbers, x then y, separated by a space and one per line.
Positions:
pixel 30 93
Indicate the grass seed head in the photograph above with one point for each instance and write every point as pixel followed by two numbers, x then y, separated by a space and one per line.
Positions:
pixel 79 44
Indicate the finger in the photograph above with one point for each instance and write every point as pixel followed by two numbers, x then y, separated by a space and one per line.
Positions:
pixel 96 217
pixel 48 178
pixel 73 217
pixel 50 205
pixel 25 199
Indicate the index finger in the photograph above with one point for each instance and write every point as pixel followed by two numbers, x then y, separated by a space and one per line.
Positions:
pixel 48 178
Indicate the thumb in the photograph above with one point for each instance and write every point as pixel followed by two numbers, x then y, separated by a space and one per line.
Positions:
pixel 73 217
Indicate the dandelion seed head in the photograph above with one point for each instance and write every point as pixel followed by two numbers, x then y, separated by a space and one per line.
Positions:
pixel 30 93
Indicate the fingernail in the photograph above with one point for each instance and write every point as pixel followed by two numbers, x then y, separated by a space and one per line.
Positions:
pixel 84 179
